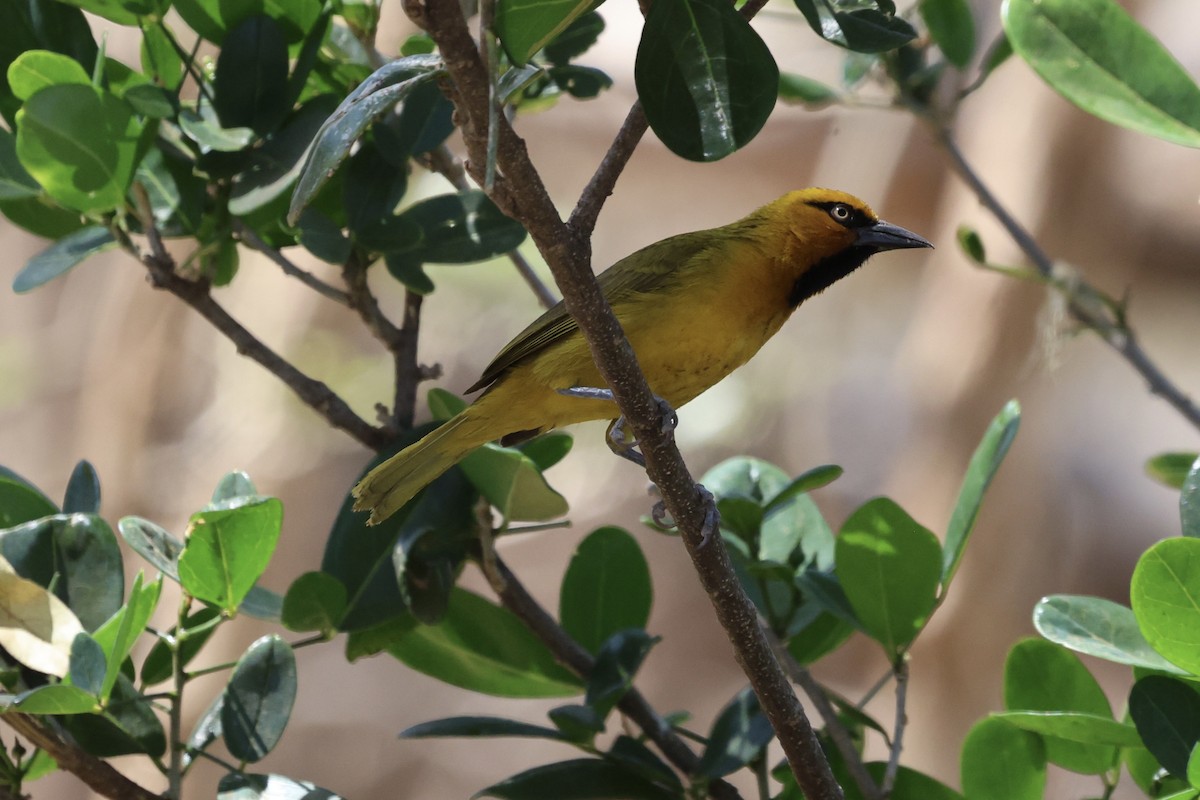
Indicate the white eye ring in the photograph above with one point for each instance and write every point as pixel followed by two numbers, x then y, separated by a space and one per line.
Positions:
pixel 840 212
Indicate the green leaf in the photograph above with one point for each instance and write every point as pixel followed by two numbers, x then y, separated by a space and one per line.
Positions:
pixel 1099 628
pixel 83 490
pixel 323 237
pixel 117 636
pixel 128 725
pixel 233 487
pixel 20 502
pixel 60 257
pixel 606 588
pixel 1165 595
pixel 1097 56
pixel 863 30
pixel 207 729
pixel 15 181
pixel 213 18
pixel 1075 726
pixel 1166 712
pixel 87 664
pixel 59 698
pixel 34 70
pixel 152 543
pixel 251 79
pixel 1041 676
pixel 971 244
pixel 575 40
pixel 798 90
pixel 889 567
pixel 259 698
pixel 1189 502
pixel 122 12
pixel 478 727
pixel 985 462
pixel 484 648
pixel 1171 469
pixel 910 784
pixel 159 58
pixel 512 483
pixel 526 26
pixel 810 481
pixel 80 144
pixel 227 550
pixel 197 627
pixel 1002 762
pixel 579 779
pixel 548 449
pixel 705 79
pixel 256 786
pixel 40 25
pixel 273 168
pixel 378 94
pixel 262 604
pixel 578 724
pixel 739 736
pixel 205 130
pixel 952 28
pixel 457 228
pixel 314 602
pixel 617 661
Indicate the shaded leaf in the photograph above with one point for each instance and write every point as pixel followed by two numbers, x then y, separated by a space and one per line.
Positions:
pixel 1167 715
pixel 1002 762
pixel 56 698
pixel 617 662
pixel 60 257
pixel 83 490
pixel 739 735
pixel 526 26
pixel 606 588
pixel 314 602
pixel 152 543
pixel 579 779
pixel 478 726
pixel 1097 627
pixel 259 697
pixel 1075 726
pixel 197 627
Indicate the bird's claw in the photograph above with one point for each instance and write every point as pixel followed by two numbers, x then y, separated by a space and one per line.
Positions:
pixel 712 519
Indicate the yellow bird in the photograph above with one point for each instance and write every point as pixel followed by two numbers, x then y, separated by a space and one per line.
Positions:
pixel 695 307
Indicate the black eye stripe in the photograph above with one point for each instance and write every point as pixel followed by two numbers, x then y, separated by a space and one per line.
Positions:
pixel 856 219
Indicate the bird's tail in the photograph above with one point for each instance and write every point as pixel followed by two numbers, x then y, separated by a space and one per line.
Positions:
pixel 396 481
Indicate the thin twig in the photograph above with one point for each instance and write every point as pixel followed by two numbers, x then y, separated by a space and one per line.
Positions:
pixel 254 241
pixel 591 200
pixel 893 764
pixel 514 596
pixel 99 775
pixel 314 393
pixel 1119 337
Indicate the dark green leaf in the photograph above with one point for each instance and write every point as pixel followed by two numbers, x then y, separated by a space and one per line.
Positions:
pixel 1099 628
pixel 387 86
pixel 458 228
pixel 424 121
pixel 151 101
pixel 577 724
pixel 58 698
pixel 952 28
pixel 60 257
pixel 177 196
pixel 1167 715
pixel 87 665
pixel 259 698
pixel 80 144
pixel 983 467
pixel 1097 56
pixel 409 273
pixel 548 449
pixel 889 567
pixel 83 490
pixel 314 602
pixel 1171 469
pixel 253 786
pixel 635 755
pixel 227 550
pixel 526 26
pixel 197 627
pixel 207 730
pixel 617 661
pixel 579 779
pixel 1165 595
pixel 273 168
pixel 374 186
pixel 251 79
pixel 812 480
pixel 323 237
pixel 478 726
pixel 213 18
pixel 863 30
pixel 739 736
pixel 1003 762
pixel 818 638
pixel 513 484
pixel 583 83
pixel 122 12
pixel 909 785
pixel 128 725
pixel 575 40
pixel 606 588
pixel 262 604
pixel 160 60
pixel 797 89
pixel 1189 502
pixel 20 502
pixel 40 25
pixel 705 79
pixel 1075 726
pixel 152 543
pixel 485 648
pixel 15 181
pixel 971 244
pixel 1041 676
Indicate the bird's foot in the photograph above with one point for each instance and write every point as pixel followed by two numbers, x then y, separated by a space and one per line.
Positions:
pixel 712 519
pixel 617 435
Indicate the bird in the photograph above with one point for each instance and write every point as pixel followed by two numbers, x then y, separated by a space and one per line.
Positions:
pixel 695 307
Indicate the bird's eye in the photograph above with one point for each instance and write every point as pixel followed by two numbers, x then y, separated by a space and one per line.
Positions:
pixel 841 212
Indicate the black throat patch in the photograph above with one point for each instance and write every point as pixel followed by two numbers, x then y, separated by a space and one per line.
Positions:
pixel 827 272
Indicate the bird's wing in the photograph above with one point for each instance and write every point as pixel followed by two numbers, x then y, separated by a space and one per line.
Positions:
pixel 645 271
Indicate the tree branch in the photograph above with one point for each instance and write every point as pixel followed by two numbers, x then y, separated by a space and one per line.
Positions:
pixel 893 764
pixel 520 192
pixel 587 210
pixel 98 774
pixel 252 240
pixel 1120 337
pixel 571 654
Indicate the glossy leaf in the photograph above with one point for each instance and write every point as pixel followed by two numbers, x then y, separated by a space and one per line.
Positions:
pixel 1041 676
pixel 606 588
pixel 1165 595
pixel 889 567
pixel 818 638
pixel 952 27
pixel 424 121
pixel 272 169
pixel 1002 762
pixel 485 648
pixel 80 144
pixel 1075 726
pixel 510 482
pixel 705 78
pixel 1097 627
pixel 40 25
pixel 152 543
pixel 263 604
pixel 579 779
pixel 87 664
pixel 34 70
pixel 575 40
pixel 256 786
pixel 198 626
pixel 117 636
pixel 1189 502
pixel 1097 56
pixel 259 697
pixel 457 228
pixel 58 698
pixel 1172 468
pixel 232 487
pixel 985 462
pixel 526 26
pixel 228 549
pixel 207 729
pixel 617 662
pixel 36 628
pixel 314 602
pixel 478 727
pixel 387 86
pixel 83 490
pixel 58 259
pixel 863 30
pixel 205 130
pixel 738 737
pixel 1166 712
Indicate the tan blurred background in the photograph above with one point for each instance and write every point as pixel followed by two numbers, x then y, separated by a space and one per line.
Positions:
pixel 894 374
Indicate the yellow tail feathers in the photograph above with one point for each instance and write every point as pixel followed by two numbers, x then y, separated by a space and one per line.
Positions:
pixel 396 481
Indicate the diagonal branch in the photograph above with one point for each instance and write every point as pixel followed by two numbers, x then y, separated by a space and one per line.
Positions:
pixel 252 239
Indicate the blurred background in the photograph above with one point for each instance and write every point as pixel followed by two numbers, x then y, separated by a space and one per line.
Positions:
pixel 893 374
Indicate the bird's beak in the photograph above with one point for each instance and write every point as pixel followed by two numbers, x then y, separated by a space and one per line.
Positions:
pixel 886 236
